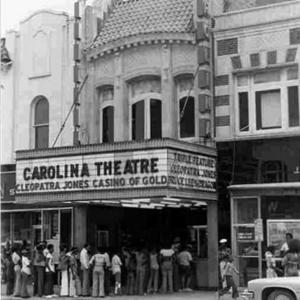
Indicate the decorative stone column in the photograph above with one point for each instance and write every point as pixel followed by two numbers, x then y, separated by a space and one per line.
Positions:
pixel 80 226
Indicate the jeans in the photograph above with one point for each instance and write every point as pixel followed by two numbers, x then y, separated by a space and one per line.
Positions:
pixel 230 284
pixel 85 282
pixel 98 282
pixel 49 283
pixel 153 280
pixel 140 279
pixel 167 276
pixel 130 284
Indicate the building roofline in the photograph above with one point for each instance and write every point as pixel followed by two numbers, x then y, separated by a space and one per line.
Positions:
pixel 48 11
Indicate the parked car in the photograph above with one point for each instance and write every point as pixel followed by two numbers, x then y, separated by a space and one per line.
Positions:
pixel 281 288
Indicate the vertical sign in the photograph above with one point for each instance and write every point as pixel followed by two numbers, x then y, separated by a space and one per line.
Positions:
pixel 258 230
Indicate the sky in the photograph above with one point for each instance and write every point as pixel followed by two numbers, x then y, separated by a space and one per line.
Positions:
pixel 14 11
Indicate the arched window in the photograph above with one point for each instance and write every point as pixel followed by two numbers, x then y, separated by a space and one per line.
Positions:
pixel 108 124
pixel 187 117
pixel 41 124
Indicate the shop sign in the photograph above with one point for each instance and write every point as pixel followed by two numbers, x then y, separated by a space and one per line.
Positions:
pixel 259 235
pixel 120 170
pixel 245 233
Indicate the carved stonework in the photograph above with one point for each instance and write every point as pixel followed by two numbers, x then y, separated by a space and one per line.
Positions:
pixel 183 54
pixel 150 85
pixel 105 67
pixel 145 56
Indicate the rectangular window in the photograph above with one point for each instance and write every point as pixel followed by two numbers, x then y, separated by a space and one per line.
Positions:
pixel 155 118
pixel 293 102
pixel 244 111
pixel 108 125
pixel 41 137
pixel 268 109
pixel 138 121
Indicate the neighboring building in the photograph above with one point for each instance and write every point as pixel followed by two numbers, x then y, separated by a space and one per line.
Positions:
pixel 36 95
pixel 257 126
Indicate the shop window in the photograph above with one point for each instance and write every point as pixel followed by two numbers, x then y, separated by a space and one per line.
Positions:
pixel 272 171
pixel 244 111
pixel 293 103
pixel 41 123
pixel 138 120
pixel 108 124
pixel 187 117
pixel 268 109
pixel 5 227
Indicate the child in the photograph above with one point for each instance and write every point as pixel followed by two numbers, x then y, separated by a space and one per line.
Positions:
pixel 116 270
pixel 271 263
pixel 229 269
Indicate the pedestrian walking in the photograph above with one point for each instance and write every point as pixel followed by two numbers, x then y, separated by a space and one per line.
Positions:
pixel 84 263
pixel 167 257
pixel 229 270
pixel 49 272
pixel 75 285
pixel 184 260
pixel 16 258
pixel 63 266
pixel 99 261
pixel 154 272
pixel 116 264
pixel 25 273
pixel 39 263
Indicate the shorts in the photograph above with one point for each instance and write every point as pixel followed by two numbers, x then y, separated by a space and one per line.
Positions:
pixel 184 270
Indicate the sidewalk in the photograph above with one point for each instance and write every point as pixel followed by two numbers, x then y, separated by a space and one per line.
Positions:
pixel 179 296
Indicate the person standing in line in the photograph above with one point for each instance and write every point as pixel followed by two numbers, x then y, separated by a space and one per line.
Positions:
pixel 9 273
pixel 75 285
pixel 224 253
pixel 25 273
pixel 39 262
pixel 141 268
pixel 154 271
pixel 16 258
pixel 50 270
pixel 167 257
pixel 176 277
pixel 291 260
pixel 131 271
pixel 116 264
pixel 185 259
pixel 99 261
pixel 63 266
pixel 270 262
pixel 84 262
pixel 229 269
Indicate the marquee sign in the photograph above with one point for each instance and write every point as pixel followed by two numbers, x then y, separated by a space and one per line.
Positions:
pixel 120 170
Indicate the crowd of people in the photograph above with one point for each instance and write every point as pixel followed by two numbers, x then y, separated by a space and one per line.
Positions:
pixel 95 271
